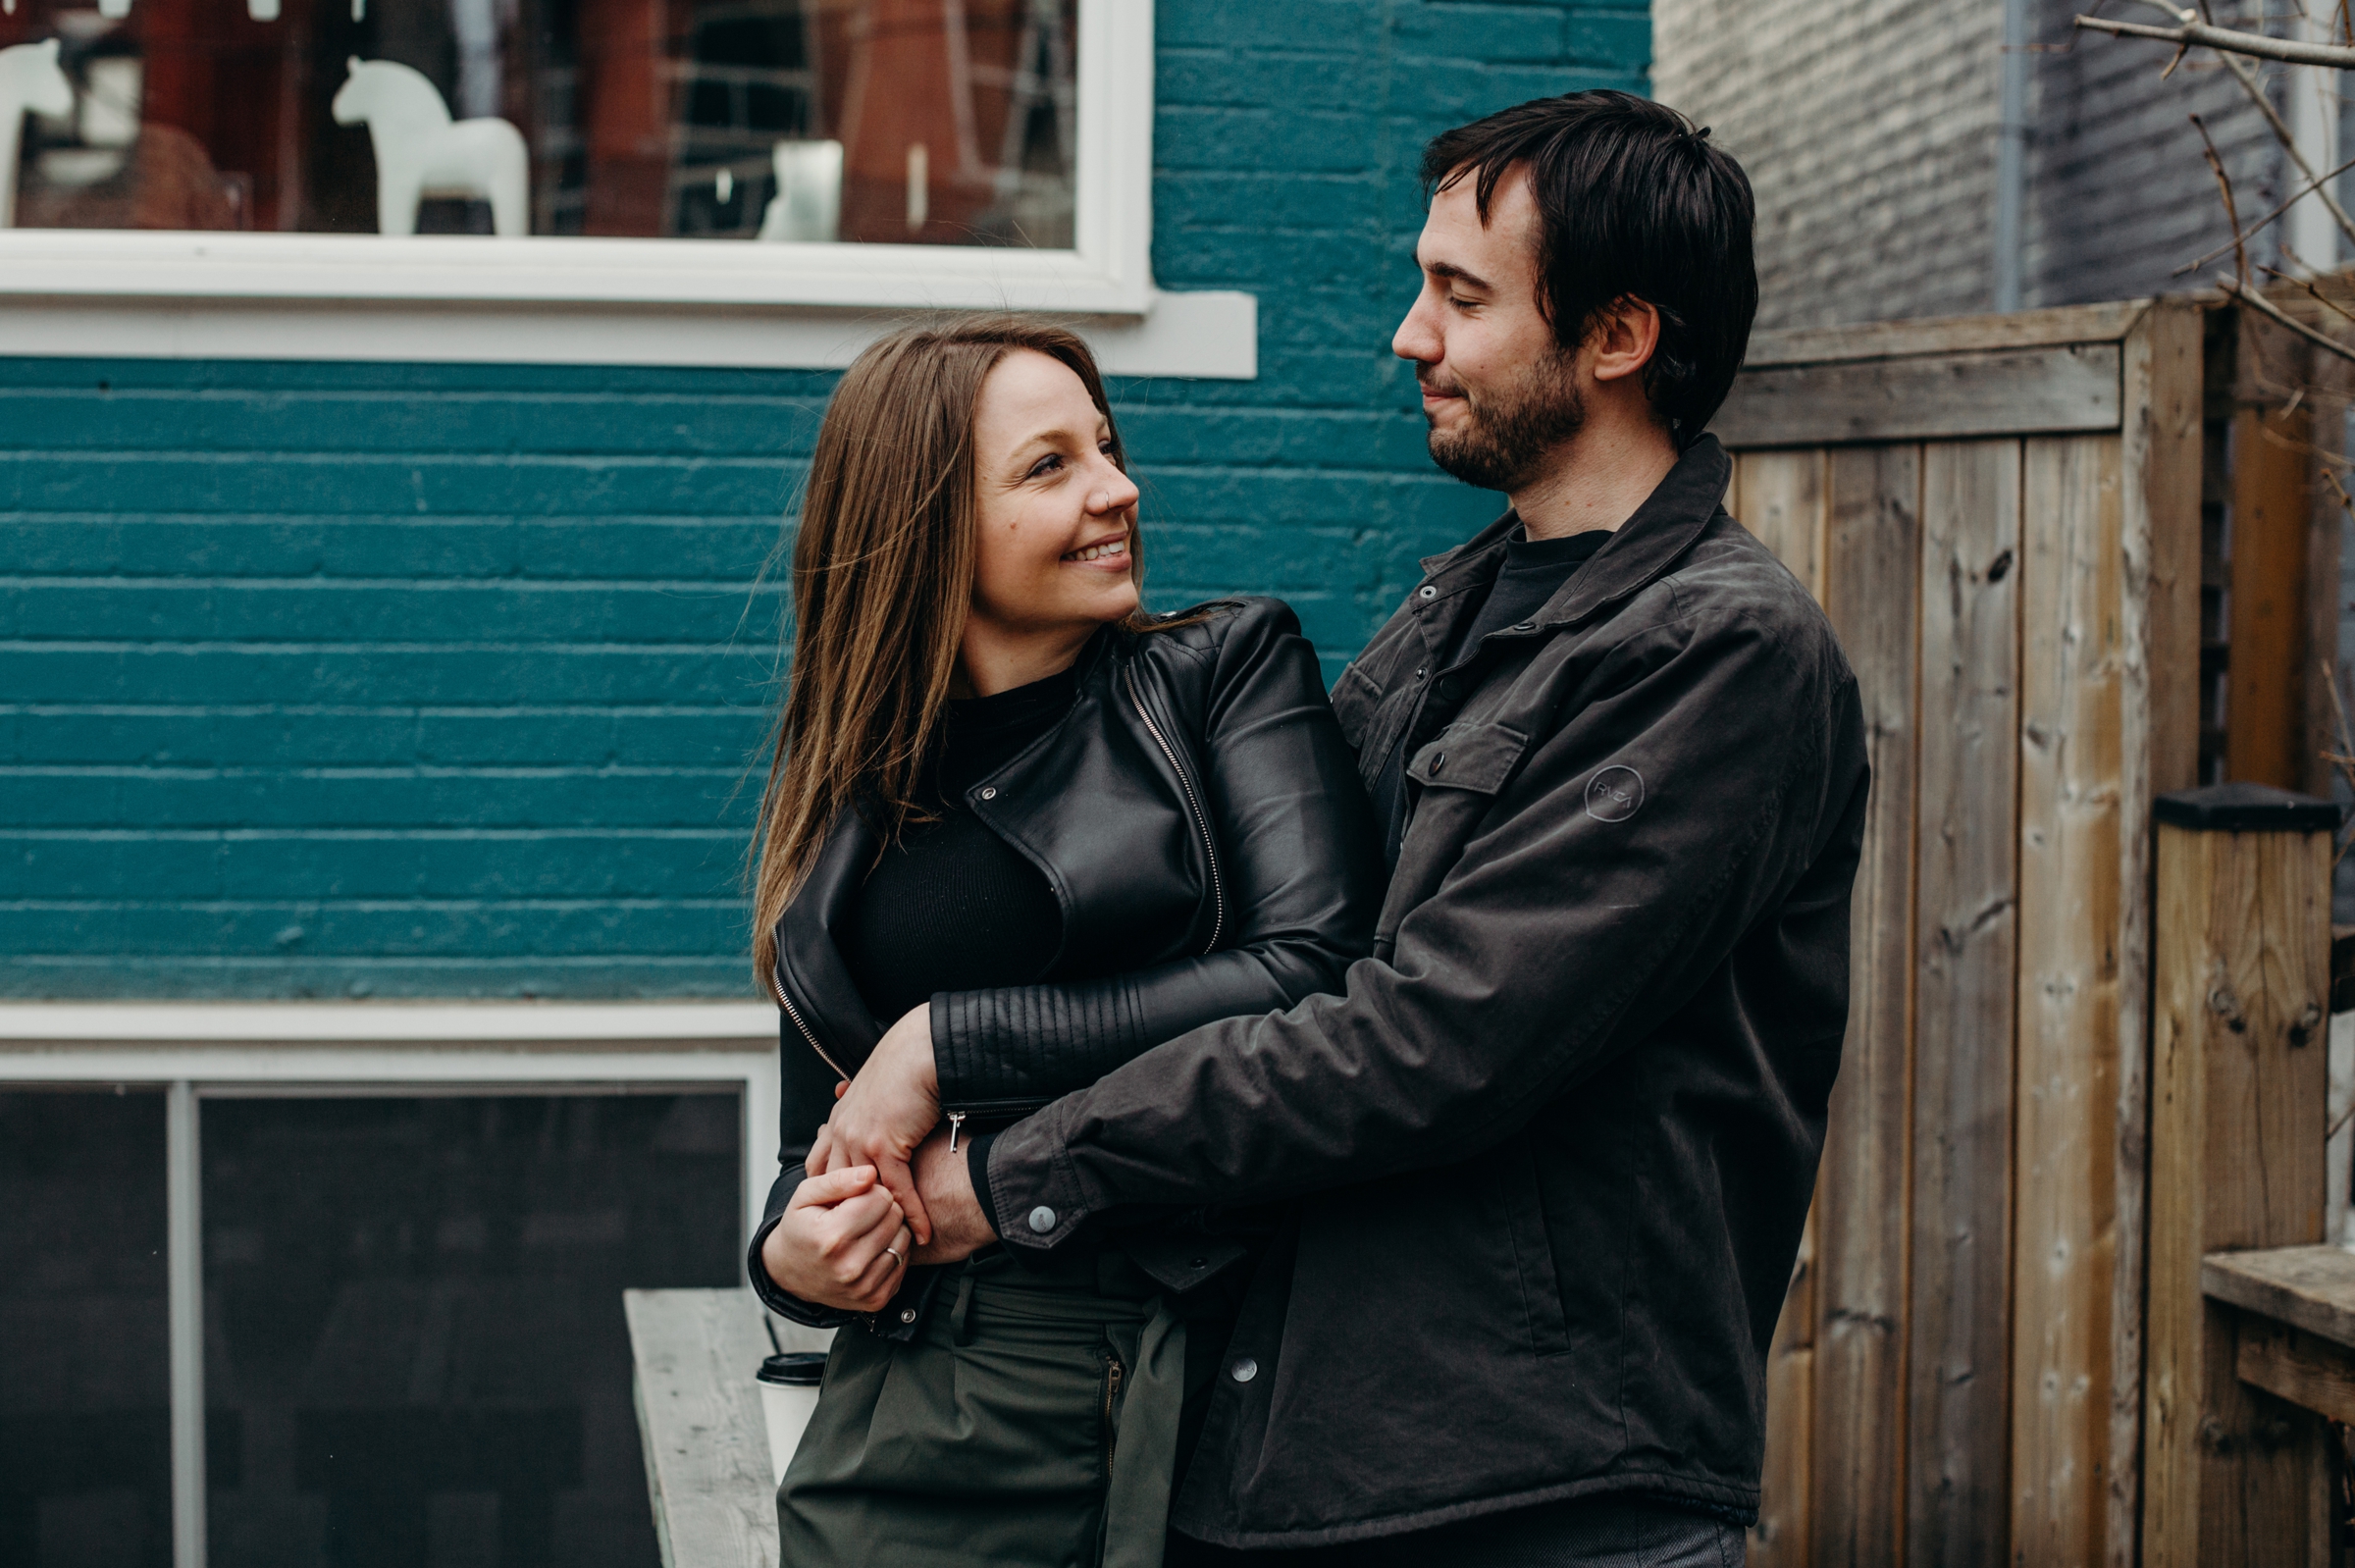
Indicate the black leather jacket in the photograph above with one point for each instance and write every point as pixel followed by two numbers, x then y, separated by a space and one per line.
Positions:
pixel 1200 819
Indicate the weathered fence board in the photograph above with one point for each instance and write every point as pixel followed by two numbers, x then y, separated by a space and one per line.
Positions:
pixel 1872 579
pixel 2062 387
pixel 1956 1375
pixel 1958 1437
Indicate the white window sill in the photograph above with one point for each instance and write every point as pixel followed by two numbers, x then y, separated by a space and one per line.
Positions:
pixel 1213 335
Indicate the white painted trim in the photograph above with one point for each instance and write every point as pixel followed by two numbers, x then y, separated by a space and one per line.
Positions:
pixel 239 1048
pixel 1210 335
pixel 184 1295
pixel 418 1025
pixel 1108 270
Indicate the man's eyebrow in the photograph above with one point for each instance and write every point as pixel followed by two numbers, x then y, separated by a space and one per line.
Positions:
pixel 1454 273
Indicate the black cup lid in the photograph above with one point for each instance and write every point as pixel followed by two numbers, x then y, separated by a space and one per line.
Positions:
pixel 798 1369
pixel 2246 808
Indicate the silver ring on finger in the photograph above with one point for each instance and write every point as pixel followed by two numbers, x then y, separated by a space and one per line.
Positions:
pixel 895 1252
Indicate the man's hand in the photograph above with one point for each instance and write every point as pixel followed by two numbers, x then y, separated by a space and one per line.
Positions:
pixel 960 1226
pixel 889 1109
pixel 840 1242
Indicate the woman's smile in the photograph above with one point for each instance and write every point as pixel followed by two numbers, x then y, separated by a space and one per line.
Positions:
pixel 1106 554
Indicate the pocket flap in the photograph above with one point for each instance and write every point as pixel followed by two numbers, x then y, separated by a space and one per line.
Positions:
pixel 1474 757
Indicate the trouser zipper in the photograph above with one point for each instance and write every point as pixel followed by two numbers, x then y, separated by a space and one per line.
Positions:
pixel 956 1125
pixel 1113 1373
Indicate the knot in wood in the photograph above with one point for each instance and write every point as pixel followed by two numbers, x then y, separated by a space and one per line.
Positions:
pixel 2224 1005
pixel 2302 1031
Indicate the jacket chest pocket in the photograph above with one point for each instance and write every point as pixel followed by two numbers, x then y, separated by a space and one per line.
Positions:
pixel 1478 758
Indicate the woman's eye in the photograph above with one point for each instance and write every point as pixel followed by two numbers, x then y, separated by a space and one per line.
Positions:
pixel 1045 465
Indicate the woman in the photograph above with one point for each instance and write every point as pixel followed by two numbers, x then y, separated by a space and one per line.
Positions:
pixel 1017 831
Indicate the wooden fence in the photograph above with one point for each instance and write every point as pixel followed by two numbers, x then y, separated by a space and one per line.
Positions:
pixel 2002 517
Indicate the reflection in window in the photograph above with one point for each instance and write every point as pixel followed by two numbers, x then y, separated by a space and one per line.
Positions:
pixel 414 1315
pixel 929 122
pixel 86 1440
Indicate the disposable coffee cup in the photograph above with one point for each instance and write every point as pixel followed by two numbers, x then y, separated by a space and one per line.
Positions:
pixel 789 1383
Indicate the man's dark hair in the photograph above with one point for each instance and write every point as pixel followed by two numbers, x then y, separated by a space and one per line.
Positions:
pixel 1631 201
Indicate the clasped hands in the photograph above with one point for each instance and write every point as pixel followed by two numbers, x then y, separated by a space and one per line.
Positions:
pixel 860 1216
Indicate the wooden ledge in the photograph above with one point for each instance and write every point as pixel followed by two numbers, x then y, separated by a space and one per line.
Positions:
pixel 2312 1289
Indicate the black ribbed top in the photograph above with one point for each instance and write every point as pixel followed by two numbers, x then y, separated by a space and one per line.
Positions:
pixel 953 907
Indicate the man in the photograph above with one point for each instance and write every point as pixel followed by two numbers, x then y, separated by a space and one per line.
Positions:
pixel 1556 1142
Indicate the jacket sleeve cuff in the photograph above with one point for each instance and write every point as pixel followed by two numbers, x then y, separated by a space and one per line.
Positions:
pixel 780 1301
pixel 1034 1197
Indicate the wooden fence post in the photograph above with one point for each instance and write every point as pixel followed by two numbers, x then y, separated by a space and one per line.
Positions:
pixel 2232 1476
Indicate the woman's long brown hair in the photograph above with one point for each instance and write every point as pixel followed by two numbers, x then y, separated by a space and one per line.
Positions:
pixel 882 582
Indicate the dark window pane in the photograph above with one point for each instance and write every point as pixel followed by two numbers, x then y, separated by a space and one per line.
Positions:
pixel 415 1316
pixel 926 121
pixel 85 1448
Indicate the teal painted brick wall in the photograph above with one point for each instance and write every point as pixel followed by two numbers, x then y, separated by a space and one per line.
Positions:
pixel 430 680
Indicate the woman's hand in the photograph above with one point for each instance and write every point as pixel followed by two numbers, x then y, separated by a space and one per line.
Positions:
pixel 842 1242
pixel 890 1108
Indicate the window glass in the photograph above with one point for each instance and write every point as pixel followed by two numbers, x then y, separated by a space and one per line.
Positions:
pixel 414 1315
pixel 934 121
pixel 86 1444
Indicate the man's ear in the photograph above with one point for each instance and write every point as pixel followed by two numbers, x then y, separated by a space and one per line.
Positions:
pixel 1625 336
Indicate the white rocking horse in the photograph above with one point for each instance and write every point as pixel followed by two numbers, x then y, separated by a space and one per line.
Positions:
pixel 28 81
pixel 420 151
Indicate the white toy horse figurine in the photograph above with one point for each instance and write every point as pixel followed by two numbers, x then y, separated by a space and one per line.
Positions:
pixel 420 151
pixel 28 81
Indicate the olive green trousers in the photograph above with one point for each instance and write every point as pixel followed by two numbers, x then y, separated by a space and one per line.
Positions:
pixel 1032 1420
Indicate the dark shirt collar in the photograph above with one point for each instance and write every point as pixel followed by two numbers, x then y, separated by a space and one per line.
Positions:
pixel 1644 548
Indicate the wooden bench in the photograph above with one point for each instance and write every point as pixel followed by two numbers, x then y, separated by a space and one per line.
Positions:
pixel 2296 1336
pixel 708 1470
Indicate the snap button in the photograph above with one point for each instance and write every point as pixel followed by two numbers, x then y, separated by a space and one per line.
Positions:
pixel 990 793
pixel 1243 1370
pixel 1422 670
pixel 1042 1218
pixel 1427 592
pixel 1197 1262
pixel 908 1315
pixel 1439 761
pixel 1526 626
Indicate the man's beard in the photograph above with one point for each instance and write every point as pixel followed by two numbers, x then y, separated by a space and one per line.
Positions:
pixel 1510 432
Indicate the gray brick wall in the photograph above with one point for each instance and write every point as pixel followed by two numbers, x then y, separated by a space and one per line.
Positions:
pixel 1870 132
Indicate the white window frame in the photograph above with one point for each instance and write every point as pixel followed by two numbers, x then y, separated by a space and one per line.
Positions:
pixel 572 299
pixel 199 1051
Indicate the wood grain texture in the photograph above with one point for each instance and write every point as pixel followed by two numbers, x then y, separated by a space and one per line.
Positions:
pixel 1782 1537
pixel 2312 1373
pixel 2073 896
pixel 699 1420
pixel 1959 1429
pixel 1872 587
pixel 2163 384
pixel 2311 1287
pixel 2264 712
pixel 2073 387
pixel 2162 380
pixel 1947 334
pixel 1778 495
pixel 2239 1073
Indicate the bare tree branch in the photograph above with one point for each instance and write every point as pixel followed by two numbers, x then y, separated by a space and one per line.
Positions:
pixel 2195 34
pixel 2258 226
pixel 2265 308
pixel 2224 183
pixel 2246 76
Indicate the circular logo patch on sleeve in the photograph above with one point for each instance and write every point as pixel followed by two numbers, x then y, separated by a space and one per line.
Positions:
pixel 1614 795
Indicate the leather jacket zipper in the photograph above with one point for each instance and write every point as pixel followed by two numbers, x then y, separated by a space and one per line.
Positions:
pixel 1210 853
pixel 794 1014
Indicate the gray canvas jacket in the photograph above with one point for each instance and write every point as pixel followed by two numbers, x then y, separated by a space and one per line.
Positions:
pixel 1557 1138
